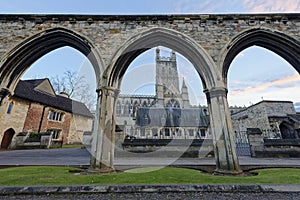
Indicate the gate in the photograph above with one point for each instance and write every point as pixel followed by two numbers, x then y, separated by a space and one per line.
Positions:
pixel 242 143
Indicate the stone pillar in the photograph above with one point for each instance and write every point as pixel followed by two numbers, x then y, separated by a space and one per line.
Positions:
pixel 222 131
pixel 103 141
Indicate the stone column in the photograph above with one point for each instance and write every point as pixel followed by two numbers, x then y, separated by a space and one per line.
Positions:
pixel 102 150
pixel 222 131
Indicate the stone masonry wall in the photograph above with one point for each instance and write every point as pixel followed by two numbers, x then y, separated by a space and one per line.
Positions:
pixel 79 124
pixel 108 33
pixel 16 118
pixel 257 116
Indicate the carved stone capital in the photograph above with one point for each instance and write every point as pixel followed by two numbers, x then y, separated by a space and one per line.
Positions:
pixel 108 91
pixel 216 92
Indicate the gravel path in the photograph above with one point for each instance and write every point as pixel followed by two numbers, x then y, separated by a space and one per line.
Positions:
pixel 160 196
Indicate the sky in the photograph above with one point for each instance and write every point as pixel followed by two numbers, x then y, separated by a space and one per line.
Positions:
pixel 255 74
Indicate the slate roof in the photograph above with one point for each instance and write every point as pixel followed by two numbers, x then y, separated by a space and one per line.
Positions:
pixel 172 117
pixel 25 90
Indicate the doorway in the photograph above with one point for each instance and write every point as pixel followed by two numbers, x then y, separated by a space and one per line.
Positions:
pixel 7 137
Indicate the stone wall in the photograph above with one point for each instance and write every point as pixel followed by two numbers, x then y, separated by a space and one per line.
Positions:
pixel 79 124
pixel 108 33
pixel 257 116
pixel 16 118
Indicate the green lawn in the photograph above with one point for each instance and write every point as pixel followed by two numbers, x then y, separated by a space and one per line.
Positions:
pixel 45 175
pixel 69 146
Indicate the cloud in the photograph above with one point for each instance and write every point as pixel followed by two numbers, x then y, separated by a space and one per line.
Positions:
pixel 288 91
pixel 236 6
pixel 262 6
pixel 279 82
pixel 297 104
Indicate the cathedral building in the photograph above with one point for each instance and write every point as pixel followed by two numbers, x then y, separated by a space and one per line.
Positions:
pixel 166 115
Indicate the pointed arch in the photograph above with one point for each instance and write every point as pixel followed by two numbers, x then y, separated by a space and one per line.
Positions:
pixel 119 108
pixel 22 56
pixel 277 42
pixel 126 109
pixel 7 138
pixel 287 130
pixel 174 40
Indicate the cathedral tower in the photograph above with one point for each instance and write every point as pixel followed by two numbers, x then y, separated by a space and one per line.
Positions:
pixel 167 80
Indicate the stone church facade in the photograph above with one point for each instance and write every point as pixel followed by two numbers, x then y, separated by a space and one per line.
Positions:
pixel 166 115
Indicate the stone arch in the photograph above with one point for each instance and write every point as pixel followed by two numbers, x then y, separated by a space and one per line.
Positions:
pixel 173 103
pixel 279 43
pixel 224 146
pixel 145 104
pixel 287 130
pixel 7 138
pixel 31 49
pixel 126 109
pixel 174 40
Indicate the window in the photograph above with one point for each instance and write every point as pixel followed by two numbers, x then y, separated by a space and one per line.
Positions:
pixel 178 132
pixel 173 104
pixel 10 106
pixel 155 132
pixel 55 116
pixel 202 133
pixel 126 109
pixel 142 134
pixel 55 133
pixel 145 104
pixel 50 115
pixel 167 132
pixel 191 132
pixel 119 108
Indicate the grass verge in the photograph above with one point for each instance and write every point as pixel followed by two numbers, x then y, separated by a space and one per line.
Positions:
pixel 46 175
pixel 69 146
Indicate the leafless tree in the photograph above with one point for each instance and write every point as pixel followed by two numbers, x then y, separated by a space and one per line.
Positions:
pixel 76 87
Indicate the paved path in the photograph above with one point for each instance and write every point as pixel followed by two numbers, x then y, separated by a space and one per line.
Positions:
pixel 81 157
pixel 152 191
pixel 160 196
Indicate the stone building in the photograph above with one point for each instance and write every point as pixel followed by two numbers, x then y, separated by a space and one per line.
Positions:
pixel 166 115
pixel 34 107
pixel 276 120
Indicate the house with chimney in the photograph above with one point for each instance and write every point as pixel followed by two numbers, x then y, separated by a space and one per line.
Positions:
pixel 36 108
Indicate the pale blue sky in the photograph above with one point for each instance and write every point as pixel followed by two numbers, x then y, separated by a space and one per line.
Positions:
pixel 147 6
pixel 250 71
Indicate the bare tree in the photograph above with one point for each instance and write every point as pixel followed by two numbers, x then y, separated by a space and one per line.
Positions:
pixel 75 87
